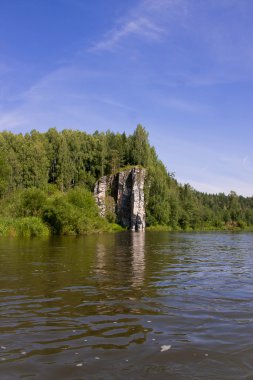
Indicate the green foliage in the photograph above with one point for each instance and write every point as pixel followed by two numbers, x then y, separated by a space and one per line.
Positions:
pixel 114 227
pixel 5 227
pixel 59 215
pixel 139 150
pixel 5 172
pixel 73 213
pixel 110 207
pixel 30 227
pixel 23 227
pixel 51 176
pixel 157 196
pixel 31 202
pixel 83 199
pixel 22 203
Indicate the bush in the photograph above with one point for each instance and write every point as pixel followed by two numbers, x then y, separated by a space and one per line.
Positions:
pixel 83 199
pixel 60 215
pixel 32 202
pixel 30 213
pixel 73 213
pixel 30 227
pixel 4 227
pixel 22 203
pixel 110 209
pixel 23 227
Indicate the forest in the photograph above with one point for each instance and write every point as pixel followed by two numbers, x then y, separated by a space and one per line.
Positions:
pixel 47 181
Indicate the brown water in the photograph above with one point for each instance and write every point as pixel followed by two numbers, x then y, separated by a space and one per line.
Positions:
pixel 102 306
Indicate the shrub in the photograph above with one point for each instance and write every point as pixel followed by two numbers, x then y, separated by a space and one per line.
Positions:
pixel 32 202
pixel 4 227
pixel 110 209
pixel 23 227
pixel 22 203
pixel 30 227
pixel 73 213
pixel 60 215
pixel 83 199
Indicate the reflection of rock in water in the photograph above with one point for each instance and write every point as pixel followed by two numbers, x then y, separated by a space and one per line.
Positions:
pixel 101 251
pixel 138 257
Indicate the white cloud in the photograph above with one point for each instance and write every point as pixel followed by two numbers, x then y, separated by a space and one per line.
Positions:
pixel 138 27
pixel 184 25
pixel 145 21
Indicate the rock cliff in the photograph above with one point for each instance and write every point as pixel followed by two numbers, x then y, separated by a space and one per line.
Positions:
pixel 123 195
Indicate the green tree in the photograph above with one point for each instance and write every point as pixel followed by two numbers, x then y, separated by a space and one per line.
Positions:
pixel 139 148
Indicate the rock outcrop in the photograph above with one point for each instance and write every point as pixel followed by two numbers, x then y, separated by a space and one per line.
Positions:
pixel 123 195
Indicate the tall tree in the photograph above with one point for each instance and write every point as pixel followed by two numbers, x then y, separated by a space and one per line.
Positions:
pixel 139 153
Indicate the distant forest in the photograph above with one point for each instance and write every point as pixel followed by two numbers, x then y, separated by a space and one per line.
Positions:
pixel 47 180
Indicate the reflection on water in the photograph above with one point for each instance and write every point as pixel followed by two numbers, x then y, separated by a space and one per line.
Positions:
pixel 101 307
pixel 132 256
pixel 138 257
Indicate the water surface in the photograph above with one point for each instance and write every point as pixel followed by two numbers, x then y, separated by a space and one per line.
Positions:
pixel 102 306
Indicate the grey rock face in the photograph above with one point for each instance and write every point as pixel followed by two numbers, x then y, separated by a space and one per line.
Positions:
pixel 137 200
pixel 99 192
pixel 127 189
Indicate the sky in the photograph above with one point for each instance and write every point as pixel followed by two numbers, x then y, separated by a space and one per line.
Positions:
pixel 181 68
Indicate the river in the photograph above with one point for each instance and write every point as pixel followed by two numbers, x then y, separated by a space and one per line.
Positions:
pixel 151 305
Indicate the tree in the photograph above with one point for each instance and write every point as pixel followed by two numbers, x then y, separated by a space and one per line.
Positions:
pixel 139 153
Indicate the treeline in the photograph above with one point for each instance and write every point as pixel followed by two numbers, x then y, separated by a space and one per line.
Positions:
pixel 50 177
pixel 68 158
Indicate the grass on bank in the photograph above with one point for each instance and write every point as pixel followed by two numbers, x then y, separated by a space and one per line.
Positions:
pixel 206 228
pixel 23 227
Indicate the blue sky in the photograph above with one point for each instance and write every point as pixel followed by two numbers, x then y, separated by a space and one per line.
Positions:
pixel 181 68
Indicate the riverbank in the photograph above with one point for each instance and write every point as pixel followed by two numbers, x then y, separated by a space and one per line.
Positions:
pixel 29 227
pixel 236 228
pixel 40 213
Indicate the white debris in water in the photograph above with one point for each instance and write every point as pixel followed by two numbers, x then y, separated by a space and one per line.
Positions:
pixel 153 339
pixel 79 364
pixel 97 357
pixel 23 352
pixel 76 353
pixel 149 321
pixel 165 347
pixel 3 347
pixel 126 360
pixel 74 330
pixel 3 359
pixel 115 322
pixel 85 340
pixel 206 354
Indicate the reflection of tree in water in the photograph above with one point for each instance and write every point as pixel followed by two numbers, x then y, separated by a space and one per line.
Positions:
pixel 138 258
